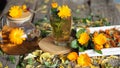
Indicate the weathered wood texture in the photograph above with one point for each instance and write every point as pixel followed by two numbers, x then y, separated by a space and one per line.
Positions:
pixel 42 9
pixel 106 8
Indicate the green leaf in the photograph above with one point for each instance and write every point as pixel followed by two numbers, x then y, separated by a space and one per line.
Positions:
pixel 85 45
pixel 99 51
pixel 47 64
pixel 81 49
pixel 1 53
pixel 79 32
pixel 30 61
pixel 12 59
pixel 74 44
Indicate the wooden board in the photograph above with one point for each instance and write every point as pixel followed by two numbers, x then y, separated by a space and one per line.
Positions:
pixel 47 45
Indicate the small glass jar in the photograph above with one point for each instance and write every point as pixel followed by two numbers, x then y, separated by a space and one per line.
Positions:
pixel 61 29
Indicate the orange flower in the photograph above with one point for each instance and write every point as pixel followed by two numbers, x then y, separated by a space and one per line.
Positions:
pixel 84 60
pixel 98 47
pixel 64 11
pixel 72 56
pixel 84 38
pixel 15 12
pixel 54 5
pixel 16 36
pixel 24 7
pixel 100 39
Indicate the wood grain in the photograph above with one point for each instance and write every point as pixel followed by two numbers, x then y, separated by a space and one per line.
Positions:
pixel 48 45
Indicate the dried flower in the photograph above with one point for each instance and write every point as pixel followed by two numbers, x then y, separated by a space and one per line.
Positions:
pixel 84 60
pixel 54 5
pixel 100 39
pixel 64 11
pixel 84 38
pixel 16 36
pixel 15 11
pixel 72 56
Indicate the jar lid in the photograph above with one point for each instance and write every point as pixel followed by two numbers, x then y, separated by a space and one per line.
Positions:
pixel 25 17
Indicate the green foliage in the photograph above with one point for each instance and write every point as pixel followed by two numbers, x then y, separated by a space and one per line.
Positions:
pixel 81 49
pixel 74 44
pixel 12 59
pixel 30 61
pixel 98 51
pixel 79 32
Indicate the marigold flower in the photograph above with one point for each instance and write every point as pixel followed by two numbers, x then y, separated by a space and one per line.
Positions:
pixel 72 56
pixel 84 38
pixel 54 5
pixel 100 39
pixel 98 47
pixel 64 11
pixel 16 36
pixel 24 7
pixel 15 12
pixel 84 60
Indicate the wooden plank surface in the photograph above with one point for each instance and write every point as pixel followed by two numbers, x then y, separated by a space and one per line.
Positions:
pixel 106 8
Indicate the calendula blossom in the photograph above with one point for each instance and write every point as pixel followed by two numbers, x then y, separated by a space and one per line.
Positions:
pixel 84 38
pixel 72 56
pixel 15 11
pixel 16 36
pixel 64 11
pixel 84 60
pixel 24 7
pixel 98 47
pixel 54 5
pixel 100 39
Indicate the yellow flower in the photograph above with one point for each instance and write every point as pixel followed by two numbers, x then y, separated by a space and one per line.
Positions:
pixel 16 36
pixel 54 5
pixel 64 11
pixel 15 12
pixel 84 60
pixel 72 56
pixel 84 38
pixel 100 39
pixel 98 47
pixel 24 7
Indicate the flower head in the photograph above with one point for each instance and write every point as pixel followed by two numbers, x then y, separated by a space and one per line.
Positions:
pixel 15 12
pixel 54 5
pixel 98 47
pixel 72 56
pixel 16 36
pixel 84 38
pixel 84 60
pixel 24 7
pixel 100 39
pixel 64 11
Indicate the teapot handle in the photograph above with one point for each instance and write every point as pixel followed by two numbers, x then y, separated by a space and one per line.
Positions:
pixel 4 21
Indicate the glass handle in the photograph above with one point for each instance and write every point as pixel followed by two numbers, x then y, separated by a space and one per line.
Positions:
pixel 4 21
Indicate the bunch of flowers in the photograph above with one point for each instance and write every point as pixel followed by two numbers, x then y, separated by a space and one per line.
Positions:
pixel 60 11
pixel 17 11
pixel 96 41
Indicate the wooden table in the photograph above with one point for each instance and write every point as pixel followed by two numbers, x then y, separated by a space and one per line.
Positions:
pixel 40 8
